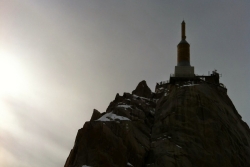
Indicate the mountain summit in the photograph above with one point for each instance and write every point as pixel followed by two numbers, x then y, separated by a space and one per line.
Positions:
pixel 185 124
pixel 189 121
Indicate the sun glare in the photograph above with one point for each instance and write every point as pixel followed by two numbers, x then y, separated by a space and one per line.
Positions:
pixel 11 76
pixel 13 83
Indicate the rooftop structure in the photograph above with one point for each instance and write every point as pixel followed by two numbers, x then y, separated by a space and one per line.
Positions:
pixel 183 68
pixel 184 72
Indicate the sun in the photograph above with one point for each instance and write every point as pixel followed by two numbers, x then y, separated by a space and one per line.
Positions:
pixel 12 76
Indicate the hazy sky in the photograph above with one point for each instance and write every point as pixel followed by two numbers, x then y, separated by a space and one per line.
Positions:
pixel 60 59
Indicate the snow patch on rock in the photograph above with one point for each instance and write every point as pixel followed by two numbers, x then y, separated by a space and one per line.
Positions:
pixel 129 164
pixel 112 117
pixel 124 106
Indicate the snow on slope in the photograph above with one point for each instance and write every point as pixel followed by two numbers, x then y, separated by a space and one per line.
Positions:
pixel 112 117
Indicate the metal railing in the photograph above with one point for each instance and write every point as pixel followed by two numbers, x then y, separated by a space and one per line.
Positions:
pixel 182 75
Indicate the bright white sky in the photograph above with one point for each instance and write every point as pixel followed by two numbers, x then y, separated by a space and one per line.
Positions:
pixel 61 59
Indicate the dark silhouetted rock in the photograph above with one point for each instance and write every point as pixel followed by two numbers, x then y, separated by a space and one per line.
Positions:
pixel 96 115
pixel 143 90
pixel 182 125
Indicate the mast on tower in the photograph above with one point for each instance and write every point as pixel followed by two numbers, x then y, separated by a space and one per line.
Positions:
pixel 183 67
pixel 183 35
pixel 183 49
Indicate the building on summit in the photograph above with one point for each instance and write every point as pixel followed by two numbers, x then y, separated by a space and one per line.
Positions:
pixel 184 72
pixel 183 68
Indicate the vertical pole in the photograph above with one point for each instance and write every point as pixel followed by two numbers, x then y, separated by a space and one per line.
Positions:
pixel 183 35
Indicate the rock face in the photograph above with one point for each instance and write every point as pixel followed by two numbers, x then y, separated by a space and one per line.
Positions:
pixel 180 125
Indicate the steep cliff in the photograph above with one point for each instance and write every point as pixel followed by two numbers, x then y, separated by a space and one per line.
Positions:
pixel 179 125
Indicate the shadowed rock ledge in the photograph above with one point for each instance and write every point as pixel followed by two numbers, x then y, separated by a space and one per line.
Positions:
pixel 182 125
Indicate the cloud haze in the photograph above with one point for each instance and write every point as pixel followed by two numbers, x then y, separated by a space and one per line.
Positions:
pixel 61 59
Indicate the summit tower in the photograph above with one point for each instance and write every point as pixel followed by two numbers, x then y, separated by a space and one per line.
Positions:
pixel 183 68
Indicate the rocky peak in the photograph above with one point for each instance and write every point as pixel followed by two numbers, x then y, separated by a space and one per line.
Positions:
pixel 186 124
pixel 96 115
pixel 142 90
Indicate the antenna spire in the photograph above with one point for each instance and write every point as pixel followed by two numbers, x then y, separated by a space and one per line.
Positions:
pixel 183 29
